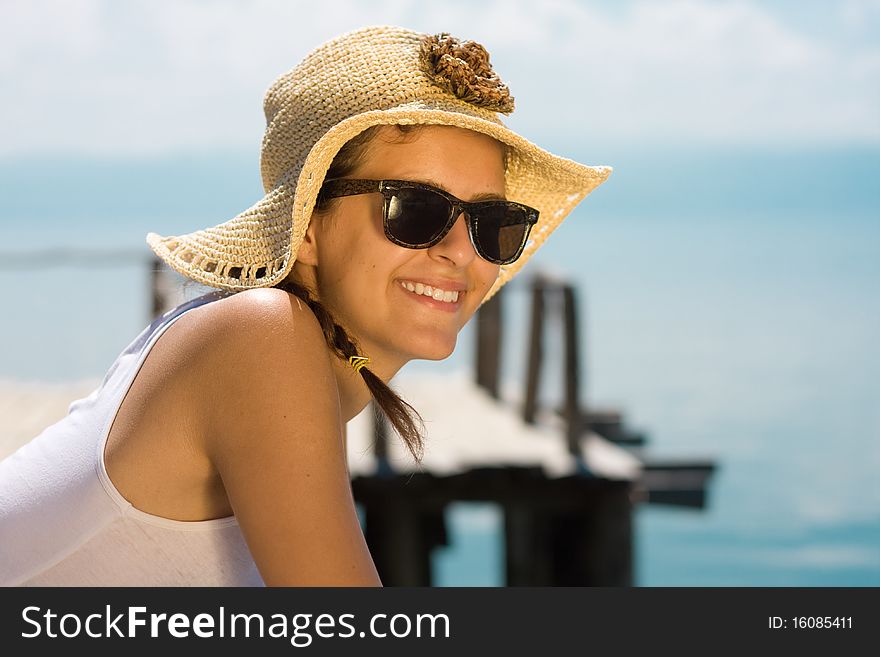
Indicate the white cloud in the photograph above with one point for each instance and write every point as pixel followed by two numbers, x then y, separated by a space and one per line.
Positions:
pixel 92 76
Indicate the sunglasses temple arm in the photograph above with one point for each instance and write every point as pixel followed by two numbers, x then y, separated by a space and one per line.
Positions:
pixel 337 187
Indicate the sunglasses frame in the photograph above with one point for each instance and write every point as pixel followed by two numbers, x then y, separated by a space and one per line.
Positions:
pixel 338 187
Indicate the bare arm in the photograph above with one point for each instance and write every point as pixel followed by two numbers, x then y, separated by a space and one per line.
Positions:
pixel 276 439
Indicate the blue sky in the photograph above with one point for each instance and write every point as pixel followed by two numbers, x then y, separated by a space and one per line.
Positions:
pixel 95 77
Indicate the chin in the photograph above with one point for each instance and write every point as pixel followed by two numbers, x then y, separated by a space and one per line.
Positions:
pixel 434 349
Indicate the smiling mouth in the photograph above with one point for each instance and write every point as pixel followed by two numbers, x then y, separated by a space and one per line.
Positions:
pixel 435 293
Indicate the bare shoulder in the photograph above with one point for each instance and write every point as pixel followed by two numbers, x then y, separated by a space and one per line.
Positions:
pixel 274 432
pixel 248 318
pixel 263 304
pixel 256 347
pixel 223 344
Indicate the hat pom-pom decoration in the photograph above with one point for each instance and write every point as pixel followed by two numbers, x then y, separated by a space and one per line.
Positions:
pixel 463 69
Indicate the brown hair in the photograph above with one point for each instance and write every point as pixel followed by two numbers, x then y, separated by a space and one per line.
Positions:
pixel 403 417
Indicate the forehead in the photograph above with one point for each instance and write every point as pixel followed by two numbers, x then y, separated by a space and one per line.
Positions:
pixel 446 156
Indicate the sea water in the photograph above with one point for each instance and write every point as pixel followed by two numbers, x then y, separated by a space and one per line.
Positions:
pixel 729 308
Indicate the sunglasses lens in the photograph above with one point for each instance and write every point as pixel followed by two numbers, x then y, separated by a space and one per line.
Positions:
pixel 501 232
pixel 416 216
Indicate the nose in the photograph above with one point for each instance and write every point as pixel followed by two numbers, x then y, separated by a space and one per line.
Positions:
pixel 456 247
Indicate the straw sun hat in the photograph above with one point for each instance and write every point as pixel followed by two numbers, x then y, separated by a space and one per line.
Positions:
pixel 368 77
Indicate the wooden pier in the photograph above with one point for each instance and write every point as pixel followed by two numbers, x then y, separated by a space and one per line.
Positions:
pixel 572 527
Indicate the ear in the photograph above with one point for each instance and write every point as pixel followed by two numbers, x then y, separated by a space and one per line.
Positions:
pixel 308 250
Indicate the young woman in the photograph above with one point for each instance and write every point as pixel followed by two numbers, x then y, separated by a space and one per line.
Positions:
pixel 213 453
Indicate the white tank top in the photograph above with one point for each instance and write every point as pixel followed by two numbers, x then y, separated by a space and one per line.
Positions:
pixel 63 523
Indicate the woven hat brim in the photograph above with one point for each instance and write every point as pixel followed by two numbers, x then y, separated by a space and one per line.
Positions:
pixel 258 247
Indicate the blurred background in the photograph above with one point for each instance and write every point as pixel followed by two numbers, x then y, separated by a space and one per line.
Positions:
pixel 728 269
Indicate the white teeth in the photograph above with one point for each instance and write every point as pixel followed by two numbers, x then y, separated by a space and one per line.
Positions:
pixel 435 293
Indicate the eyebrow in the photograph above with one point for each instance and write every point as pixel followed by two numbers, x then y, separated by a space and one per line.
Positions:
pixel 482 196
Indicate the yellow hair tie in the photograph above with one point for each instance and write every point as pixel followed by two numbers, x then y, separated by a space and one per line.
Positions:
pixel 358 362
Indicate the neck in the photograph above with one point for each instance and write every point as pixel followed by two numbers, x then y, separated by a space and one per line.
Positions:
pixel 354 395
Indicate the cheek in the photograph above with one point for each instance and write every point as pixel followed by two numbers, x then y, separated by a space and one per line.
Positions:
pixel 362 263
pixel 487 274
pixel 484 275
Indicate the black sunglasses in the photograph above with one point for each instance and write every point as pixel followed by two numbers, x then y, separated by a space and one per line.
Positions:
pixel 418 216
